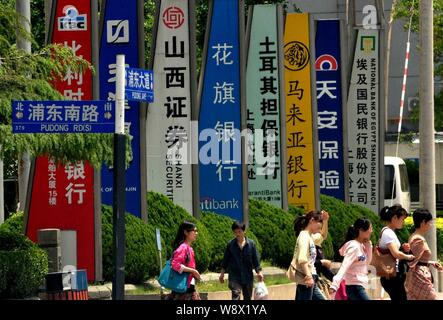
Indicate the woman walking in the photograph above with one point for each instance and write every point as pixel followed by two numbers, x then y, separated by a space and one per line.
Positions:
pixel 183 260
pixel 357 253
pixel 419 281
pixel 389 243
pixel 305 254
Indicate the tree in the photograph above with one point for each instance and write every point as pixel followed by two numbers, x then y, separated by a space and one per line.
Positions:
pixel 26 76
pixel 403 10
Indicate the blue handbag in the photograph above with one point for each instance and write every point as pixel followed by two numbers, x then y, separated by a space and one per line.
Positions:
pixel 171 279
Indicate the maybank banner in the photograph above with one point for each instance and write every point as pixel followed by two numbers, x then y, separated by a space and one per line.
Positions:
pixel 264 106
pixel 329 108
pixel 299 114
pixel 220 169
pixel 363 122
pixel 119 35
pixel 169 169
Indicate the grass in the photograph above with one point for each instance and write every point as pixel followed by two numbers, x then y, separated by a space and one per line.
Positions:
pixel 208 286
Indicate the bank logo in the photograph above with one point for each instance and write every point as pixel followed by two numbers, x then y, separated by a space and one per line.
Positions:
pixel 117 31
pixel 72 21
pixel 296 56
pixel 326 62
pixel 173 17
pixel 367 43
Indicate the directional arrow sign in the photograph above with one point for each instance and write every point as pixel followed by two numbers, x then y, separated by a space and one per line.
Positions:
pixel 63 116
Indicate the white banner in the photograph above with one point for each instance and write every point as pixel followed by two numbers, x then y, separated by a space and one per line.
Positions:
pixel 169 169
pixel 363 122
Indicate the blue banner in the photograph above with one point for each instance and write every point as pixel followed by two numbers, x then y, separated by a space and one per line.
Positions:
pixel 63 117
pixel 119 35
pixel 220 115
pixel 330 109
pixel 139 84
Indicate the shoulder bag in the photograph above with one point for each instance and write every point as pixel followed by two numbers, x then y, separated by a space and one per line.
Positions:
pixel 383 261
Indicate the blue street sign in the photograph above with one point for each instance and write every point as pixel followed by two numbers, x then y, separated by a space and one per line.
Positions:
pixel 139 85
pixel 63 116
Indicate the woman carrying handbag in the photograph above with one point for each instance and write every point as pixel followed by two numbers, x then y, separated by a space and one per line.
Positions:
pixel 183 260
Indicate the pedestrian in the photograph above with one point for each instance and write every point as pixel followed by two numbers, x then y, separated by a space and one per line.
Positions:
pixel 183 260
pixel 322 265
pixel 305 254
pixel 240 258
pixel 394 216
pixel 419 280
pixel 357 253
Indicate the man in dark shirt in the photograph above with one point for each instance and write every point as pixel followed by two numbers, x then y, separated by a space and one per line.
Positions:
pixel 240 258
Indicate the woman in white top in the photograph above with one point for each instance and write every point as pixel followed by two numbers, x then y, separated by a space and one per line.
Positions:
pixel 389 242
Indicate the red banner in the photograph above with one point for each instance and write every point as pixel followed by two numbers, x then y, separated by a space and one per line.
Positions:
pixel 63 196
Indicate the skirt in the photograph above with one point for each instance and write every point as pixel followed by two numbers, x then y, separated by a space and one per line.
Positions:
pixel 419 284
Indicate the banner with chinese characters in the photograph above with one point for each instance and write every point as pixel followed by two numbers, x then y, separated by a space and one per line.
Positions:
pixel 299 114
pixel 264 106
pixel 63 195
pixel 222 188
pixel 119 29
pixel 169 116
pixel 363 122
pixel 329 108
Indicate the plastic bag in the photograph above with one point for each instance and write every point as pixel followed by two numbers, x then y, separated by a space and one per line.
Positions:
pixel 261 291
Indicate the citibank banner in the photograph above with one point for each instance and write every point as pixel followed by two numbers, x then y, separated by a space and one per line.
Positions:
pixel 363 122
pixel 264 106
pixel 220 147
pixel 119 32
pixel 169 116
pixel 329 108
pixel 300 140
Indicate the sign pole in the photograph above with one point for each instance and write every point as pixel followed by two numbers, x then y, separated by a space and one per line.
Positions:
pixel 118 284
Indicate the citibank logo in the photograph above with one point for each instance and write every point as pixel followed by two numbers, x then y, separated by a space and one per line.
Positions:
pixel 72 21
pixel 326 62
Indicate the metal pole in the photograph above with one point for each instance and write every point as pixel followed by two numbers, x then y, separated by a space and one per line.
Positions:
pixel 427 146
pixel 23 8
pixel 118 283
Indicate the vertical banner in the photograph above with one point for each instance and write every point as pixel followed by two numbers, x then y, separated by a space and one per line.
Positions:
pixel 120 26
pixel 264 105
pixel 222 183
pixel 300 139
pixel 63 195
pixel 363 122
pixel 169 116
pixel 329 108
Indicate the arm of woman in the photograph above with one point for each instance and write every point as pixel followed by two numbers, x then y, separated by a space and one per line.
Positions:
pixel 178 262
pixel 349 258
pixel 368 252
pixel 397 254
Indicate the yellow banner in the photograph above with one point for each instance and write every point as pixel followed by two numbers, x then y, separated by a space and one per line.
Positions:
pixel 299 138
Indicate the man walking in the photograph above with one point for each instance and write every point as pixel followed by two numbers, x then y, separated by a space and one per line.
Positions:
pixel 240 258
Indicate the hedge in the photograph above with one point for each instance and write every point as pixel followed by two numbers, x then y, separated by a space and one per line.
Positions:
pixel 167 216
pixel 140 248
pixel 221 233
pixel 14 223
pixel 274 229
pixel 23 266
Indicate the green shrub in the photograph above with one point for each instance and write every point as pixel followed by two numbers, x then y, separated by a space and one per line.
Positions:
pixel 274 229
pixel 219 227
pixel 141 259
pixel 14 223
pixel 23 266
pixel 165 215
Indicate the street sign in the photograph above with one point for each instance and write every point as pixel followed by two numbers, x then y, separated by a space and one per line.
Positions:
pixel 63 116
pixel 139 85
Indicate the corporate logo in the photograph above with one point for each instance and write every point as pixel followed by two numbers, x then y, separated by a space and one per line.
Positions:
pixel 296 56
pixel 72 21
pixel 117 31
pixel 367 43
pixel 326 62
pixel 173 17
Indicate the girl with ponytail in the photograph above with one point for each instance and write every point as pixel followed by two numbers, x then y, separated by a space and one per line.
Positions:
pixel 305 254
pixel 357 253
